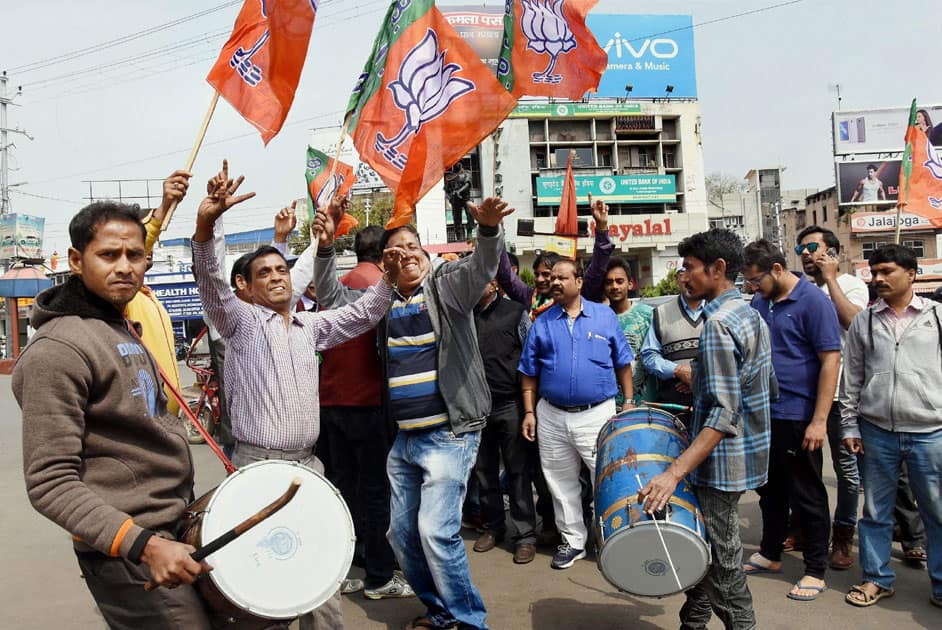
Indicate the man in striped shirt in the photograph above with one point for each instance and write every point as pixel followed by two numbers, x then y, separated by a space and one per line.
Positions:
pixel 438 395
pixel 271 367
pixel 733 381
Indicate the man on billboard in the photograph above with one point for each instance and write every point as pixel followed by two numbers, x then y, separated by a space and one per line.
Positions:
pixel 870 189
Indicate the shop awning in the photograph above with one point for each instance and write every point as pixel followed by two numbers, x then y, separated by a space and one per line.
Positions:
pixel 23 282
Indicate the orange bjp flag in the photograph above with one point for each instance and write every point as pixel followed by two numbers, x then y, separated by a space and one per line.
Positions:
pixel 548 50
pixel 567 221
pixel 423 101
pixel 259 67
pixel 921 175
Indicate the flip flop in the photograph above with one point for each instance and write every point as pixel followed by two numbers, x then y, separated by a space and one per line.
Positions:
pixel 868 600
pixel 806 598
pixel 757 569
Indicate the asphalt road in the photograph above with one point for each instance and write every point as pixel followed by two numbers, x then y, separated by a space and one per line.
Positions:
pixel 41 586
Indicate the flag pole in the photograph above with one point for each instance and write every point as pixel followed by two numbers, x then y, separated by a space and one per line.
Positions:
pixel 196 148
pixel 343 134
pixel 899 219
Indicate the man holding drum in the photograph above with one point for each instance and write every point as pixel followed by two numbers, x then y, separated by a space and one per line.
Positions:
pixel 102 457
pixel 732 383
pixel 572 355
pixel 272 375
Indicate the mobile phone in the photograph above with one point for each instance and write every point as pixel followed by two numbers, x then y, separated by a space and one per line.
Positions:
pixel 832 252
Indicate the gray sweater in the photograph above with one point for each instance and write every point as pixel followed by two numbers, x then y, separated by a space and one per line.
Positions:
pixel 452 291
pixel 895 386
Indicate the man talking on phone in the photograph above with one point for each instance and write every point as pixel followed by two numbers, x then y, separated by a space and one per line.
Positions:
pixel 820 249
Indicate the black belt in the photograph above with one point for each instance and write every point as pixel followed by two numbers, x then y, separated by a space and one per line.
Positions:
pixel 578 408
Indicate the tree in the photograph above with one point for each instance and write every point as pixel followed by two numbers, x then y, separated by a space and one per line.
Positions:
pixel 381 209
pixel 667 286
pixel 719 184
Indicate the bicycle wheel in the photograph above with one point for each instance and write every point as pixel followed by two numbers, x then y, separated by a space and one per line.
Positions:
pixel 205 417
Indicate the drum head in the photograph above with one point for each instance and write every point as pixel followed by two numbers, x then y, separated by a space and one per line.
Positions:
pixel 290 563
pixel 633 560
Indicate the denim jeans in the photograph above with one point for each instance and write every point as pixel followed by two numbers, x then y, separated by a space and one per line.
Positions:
pixel 884 452
pixel 724 589
pixel 428 474
pixel 845 468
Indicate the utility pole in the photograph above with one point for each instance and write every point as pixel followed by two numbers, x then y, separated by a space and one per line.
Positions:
pixel 5 144
pixel 367 206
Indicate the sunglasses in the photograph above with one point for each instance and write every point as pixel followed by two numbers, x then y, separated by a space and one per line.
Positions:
pixel 811 247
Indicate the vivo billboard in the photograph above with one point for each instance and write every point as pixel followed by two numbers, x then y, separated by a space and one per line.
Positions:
pixel 648 52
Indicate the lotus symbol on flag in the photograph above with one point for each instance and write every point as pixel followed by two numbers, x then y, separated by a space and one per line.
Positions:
pixel 327 192
pixel 547 31
pixel 933 163
pixel 425 88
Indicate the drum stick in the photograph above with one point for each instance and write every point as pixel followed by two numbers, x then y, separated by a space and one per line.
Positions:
pixel 213 546
pixel 661 536
pixel 671 406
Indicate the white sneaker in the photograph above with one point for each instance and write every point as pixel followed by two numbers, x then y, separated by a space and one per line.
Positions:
pixel 351 585
pixel 396 587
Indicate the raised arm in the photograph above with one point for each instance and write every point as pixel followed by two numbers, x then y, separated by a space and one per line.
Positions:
pixel 174 190
pixel 223 309
pixel 515 288
pixel 594 278
pixel 461 283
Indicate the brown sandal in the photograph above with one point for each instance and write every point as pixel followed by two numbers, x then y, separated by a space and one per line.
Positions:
pixel 869 599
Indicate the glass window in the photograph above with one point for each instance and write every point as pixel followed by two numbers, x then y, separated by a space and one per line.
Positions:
pixel 916 246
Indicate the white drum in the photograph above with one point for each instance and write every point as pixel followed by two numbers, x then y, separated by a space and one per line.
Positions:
pixel 289 564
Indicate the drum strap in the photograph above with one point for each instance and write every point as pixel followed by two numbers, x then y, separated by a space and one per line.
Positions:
pixel 186 408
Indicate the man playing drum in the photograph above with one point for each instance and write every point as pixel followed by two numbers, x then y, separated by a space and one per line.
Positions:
pixel 732 383
pixel 271 371
pixel 101 455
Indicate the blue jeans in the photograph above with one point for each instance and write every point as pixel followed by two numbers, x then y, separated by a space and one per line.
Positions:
pixel 428 474
pixel 884 451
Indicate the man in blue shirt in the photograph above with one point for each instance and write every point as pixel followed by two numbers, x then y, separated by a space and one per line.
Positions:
pixel 672 342
pixel 572 355
pixel 732 383
pixel 806 353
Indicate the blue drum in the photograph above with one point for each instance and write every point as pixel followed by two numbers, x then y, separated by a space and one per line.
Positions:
pixel 641 554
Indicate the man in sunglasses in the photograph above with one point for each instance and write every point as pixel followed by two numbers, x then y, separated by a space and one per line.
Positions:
pixel 806 344
pixel 820 249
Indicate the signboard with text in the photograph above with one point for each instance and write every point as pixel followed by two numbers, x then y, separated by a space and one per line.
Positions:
pixel 882 130
pixel 648 52
pixel 21 236
pixel 573 110
pixel 863 222
pixel 611 189
pixel 181 299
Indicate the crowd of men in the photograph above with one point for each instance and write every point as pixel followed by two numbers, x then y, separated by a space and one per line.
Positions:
pixel 420 387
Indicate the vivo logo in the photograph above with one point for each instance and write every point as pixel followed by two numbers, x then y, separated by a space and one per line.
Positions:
pixel 658 48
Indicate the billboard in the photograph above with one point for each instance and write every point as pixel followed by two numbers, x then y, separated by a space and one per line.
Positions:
pixel 873 182
pixel 648 52
pixel 611 189
pixel 864 222
pixel 21 236
pixel 573 110
pixel 882 130
pixel 181 299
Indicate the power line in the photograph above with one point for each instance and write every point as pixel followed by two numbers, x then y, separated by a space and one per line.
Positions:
pixel 720 19
pixel 68 56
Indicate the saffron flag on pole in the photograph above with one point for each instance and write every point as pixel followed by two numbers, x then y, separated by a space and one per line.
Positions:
pixel 548 50
pixel 920 179
pixel 423 101
pixel 322 187
pixel 567 220
pixel 259 67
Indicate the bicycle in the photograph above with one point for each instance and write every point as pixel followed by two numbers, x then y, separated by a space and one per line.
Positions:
pixel 203 396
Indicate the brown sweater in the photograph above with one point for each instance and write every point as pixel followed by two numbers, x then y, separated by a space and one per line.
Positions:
pixel 101 455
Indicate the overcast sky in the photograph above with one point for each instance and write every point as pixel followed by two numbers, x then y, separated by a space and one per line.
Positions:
pixel 764 85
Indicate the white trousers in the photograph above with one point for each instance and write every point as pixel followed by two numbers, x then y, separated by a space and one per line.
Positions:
pixel 566 440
